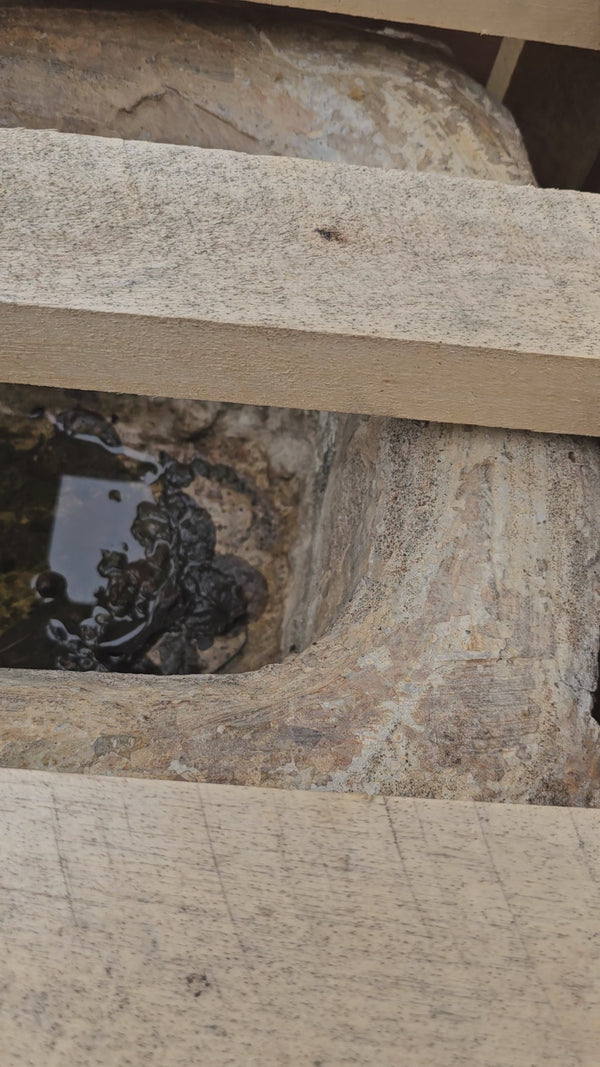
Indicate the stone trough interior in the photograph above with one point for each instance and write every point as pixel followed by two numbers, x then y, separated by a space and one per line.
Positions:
pixel 418 604
pixel 127 519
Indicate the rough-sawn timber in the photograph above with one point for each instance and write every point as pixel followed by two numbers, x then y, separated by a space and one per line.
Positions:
pixel 155 268
pixel 164 923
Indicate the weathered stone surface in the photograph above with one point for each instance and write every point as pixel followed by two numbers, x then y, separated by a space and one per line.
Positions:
pixel 253 82
pixel 446 587
pixel 462 666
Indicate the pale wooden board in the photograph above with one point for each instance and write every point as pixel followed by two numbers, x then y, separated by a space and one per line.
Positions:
pixel 574 22
pixel 505 63
pixel 163 269
pixel 154 923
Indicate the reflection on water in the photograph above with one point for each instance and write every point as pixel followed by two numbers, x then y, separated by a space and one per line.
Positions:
pixel 107 563
pixel 93 515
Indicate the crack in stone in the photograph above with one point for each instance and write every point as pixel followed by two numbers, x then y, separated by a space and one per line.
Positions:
pixel 161 94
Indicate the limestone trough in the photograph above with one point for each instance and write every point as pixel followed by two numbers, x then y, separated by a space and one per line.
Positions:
pixel 432 624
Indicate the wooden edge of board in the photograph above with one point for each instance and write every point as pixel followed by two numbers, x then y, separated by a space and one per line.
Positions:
pixel 504 67
pixel 553 21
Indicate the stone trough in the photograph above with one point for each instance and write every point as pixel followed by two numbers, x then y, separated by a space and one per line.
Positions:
pixel 432 627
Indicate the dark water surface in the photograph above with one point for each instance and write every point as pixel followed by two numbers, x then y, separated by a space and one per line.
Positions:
pixel 106 563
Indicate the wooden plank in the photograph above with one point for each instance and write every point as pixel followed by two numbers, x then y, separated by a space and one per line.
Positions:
pixel 152 268
pixel 504 67
pixel 558 21
pixel 162 923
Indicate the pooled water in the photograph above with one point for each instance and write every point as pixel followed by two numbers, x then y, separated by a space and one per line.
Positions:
pixel 108 564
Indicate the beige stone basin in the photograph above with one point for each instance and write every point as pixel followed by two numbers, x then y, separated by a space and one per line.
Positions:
pixel 437 619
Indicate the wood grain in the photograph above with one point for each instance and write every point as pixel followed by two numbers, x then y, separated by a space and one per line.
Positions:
pixel 161 923
pixel 558 21
pixel 503 70
pixel 155 268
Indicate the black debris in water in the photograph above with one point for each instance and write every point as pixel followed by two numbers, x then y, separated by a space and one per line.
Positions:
pixel 107 564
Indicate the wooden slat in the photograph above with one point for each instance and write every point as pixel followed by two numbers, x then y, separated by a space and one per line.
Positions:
pixel 162 269
pixel 505 63
pixel 162 923
pixel 575 22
